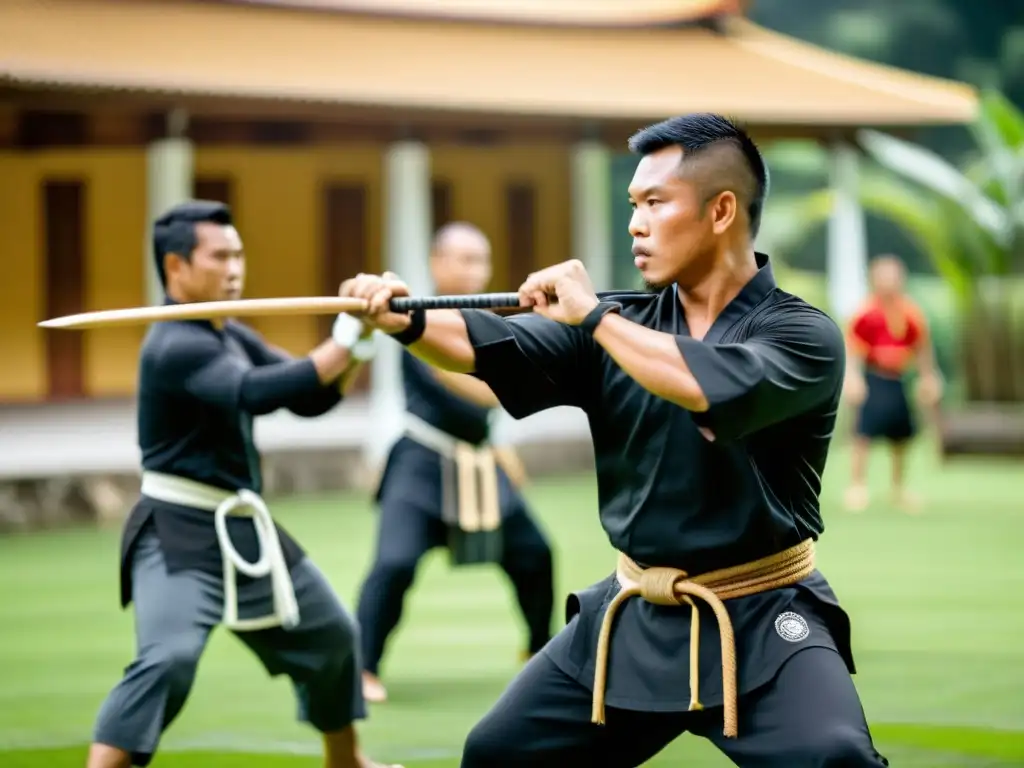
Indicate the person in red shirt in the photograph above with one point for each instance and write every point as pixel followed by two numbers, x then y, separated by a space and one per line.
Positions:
pixel 885 338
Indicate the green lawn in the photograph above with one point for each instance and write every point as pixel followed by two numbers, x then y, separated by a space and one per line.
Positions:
pixel 937 602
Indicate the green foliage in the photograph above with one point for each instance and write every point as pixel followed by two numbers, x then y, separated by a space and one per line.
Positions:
pixel 970 223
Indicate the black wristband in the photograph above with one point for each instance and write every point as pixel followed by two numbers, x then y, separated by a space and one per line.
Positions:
pixel 589 323
pixel 417 325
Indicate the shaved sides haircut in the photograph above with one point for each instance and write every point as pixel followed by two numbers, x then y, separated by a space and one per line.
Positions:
pixel 718 156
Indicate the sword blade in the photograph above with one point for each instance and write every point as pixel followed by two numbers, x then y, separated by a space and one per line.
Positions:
pixel 299 305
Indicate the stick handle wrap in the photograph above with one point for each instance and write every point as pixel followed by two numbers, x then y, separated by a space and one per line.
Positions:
pixel 471 301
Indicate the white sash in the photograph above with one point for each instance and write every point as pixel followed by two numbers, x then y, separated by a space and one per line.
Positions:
pixel 429 436
pixel 244 503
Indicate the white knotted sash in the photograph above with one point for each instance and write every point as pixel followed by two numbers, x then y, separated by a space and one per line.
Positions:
pixel 271 562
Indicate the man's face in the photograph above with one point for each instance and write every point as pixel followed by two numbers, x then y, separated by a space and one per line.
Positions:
pixel 216 271
pixel 887 278
pixel 462 264
pixel 670 232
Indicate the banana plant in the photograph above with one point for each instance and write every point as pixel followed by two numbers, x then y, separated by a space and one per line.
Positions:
pixel 970 223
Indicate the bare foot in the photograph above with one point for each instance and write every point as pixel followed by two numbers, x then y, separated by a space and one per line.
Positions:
pixel 857 498
pixel 373 689
pixel 907 502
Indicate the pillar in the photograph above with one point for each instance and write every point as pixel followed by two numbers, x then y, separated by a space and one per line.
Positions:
pixel 407 234
pixel 847 258
pixel 591 170
pixel 169 178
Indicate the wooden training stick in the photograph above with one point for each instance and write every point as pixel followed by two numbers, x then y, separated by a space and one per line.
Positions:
pixel 300 305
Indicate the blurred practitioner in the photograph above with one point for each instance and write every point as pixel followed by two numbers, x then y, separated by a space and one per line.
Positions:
pixel 445 485
pixel 200 548
pixel 886 337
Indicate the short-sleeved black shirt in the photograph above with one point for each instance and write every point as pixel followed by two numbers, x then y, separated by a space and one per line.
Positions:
pixel 195 422
pixel 771 367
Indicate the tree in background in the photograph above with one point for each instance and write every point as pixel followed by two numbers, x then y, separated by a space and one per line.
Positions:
pixel 980 42
pixel 969 223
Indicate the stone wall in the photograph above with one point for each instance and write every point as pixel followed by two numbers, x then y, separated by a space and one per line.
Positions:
pixel 104 499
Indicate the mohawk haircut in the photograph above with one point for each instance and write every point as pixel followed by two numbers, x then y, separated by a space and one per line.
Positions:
pixel 175 230
pixel 696 134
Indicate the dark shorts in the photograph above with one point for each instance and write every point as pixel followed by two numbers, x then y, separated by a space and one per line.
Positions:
pixel 885 413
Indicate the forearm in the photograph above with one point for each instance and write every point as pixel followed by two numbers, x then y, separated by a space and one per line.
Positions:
pixel 445 342
pixel 468 388
pixel 330 361
pixel 283 385
pixel 854 364
pixel 926 364
pixel 303 385
pixel 329 393
pixel 652 358
pixel 348 378
pixel 854 361
pixel 509 460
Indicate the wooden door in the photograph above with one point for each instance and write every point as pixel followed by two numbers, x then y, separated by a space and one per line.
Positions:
pixel 63 212
pixel 344 211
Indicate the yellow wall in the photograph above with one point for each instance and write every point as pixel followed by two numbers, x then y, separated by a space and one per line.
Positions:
pixel 114 232
pixel 276 202
pixel 278 208
pixel 21 297
pixel 479 176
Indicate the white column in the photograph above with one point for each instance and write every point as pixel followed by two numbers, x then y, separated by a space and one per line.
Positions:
pixel 591 170
pixel 847 260
pixel 169 173
pixel 407 234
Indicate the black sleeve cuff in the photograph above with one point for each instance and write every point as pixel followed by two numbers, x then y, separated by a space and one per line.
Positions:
pixel 520 385
pixel 725 375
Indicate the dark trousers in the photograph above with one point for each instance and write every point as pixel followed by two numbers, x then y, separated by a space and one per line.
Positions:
pixel 174 616
pixel 809 716
pixel 407 532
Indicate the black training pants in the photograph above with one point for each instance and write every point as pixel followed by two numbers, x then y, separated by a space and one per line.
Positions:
pixel 809 716
pixel 407 532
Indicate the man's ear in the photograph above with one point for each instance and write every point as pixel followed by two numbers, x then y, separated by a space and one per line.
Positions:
pixel 173 264
pixel 723 209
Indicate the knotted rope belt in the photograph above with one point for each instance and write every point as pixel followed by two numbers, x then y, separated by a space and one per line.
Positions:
pixel 476 504
pixel 670 586
pixel 272 563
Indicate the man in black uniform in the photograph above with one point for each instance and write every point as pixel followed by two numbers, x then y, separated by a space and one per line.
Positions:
pixel 711 400
pixel 200 520
pixel 447 422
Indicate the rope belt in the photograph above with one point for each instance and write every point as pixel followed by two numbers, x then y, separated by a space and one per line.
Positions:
pixel 476 474
pixel 670 586
pixel 244 503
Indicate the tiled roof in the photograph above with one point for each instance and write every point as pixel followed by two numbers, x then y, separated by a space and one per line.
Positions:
pixel 222 50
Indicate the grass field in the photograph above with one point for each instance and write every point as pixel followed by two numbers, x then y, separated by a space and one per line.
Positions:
pixel 937 602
